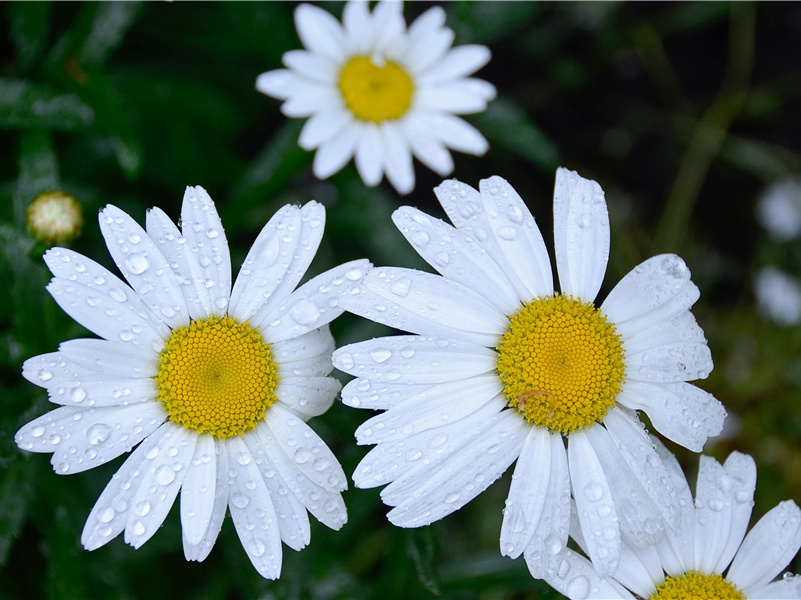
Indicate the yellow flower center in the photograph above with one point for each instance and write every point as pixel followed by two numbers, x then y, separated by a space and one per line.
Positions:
pixel 375 92
pixel 217 376
pixel 561 363
pixel 694 585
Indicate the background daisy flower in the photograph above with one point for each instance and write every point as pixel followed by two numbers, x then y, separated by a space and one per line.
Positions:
pixel 379 92
pixel 690 562
pixel 503 368
pixel 215 384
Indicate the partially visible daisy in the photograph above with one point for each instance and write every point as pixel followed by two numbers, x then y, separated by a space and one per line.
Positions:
pixel 378 92
pixel 504 368
pixel 706 557
pixel 214 384
pixel 778 296
pixel 779 209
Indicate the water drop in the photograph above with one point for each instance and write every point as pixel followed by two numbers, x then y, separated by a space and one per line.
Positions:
pixel 98 433
pixel 38 431
pixel 138 528
pixel 239 500
pixel 44 375
pixel 578 588
pixel 593 491
pixel 401 286
pixel 165 475
pixel 106 515
pixel 304 312
pixel 257 548
pixel 507 233
pixel 142 509
pixel 380 355
pixel 301 455
pixel 78 395
pixel 136 263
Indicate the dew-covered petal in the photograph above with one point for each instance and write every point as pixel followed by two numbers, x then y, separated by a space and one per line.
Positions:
pixel 110 513
pixel 461 97
pixel 682 328
pixel 252 510
pixel 434 407
pixel 397 157
pixel 110 358
pixel 172 244
pixel 147 270
pixel 308 397
pixel 739 484
pixel 594 502
pixel 320 32
pixel 163 472
pixel 654 291
pixel 408 461
pixel 277 261
pixel 581 234
pixel 308 355
pixel 334 154
pixel 364 393
pixel 199 551
pixel 459 62
pixel 544 551
pixel 314 304
pixel 578 580
pixel 198 490
pixel 369 155
pixel 456 256
pixel 464 475
pixel 412 359
pixel 527 493
pixel 681 412
pixel 768 547
pixel 789 586
pixel 327 506
pixel 207 250
pixel 640 570
pixel 428 304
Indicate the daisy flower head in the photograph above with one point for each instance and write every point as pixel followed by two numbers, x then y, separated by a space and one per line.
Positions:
pixel 379 92
pixel 705 557
pixel 212 383
pixel 503 368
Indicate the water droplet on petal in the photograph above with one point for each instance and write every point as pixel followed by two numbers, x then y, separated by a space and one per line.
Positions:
pixel 165 475
pixel 578 588
pixel 593 491
pixel 380 355
pixel 304 312
pixel 301 456
pixel 136 263
pixel 98 433
pixel 401 286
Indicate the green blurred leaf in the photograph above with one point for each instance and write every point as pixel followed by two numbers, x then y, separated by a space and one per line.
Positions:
pixel 30 22
pixel 506 126
pixel 27 105
pixel 422 547
pixel 111 22
pixel 38 171
pixel 64 577
pixel 16 492
pixel 485 22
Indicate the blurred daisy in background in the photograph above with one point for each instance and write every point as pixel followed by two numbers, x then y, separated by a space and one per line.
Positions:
pixel 379 92
pixel 778 296
pixel 504 368
pixel 216 382
pixel 689 563
pixel 779 209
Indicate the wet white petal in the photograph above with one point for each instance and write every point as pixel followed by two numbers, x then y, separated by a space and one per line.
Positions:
pixel 363 393
pixel 578 580
pixel 199 551
pixel 198 490
pixel 110 358
pixel 308 397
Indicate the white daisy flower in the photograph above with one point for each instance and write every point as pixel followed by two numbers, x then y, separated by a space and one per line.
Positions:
pixel 689 563
pixel 504 368
pixel 215 384
pixel 380 92
pixel 778 296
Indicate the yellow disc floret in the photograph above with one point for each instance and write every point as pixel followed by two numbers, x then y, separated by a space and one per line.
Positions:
pixel 561 363
pixel 375 92
pixel 217 376
pixel 694 585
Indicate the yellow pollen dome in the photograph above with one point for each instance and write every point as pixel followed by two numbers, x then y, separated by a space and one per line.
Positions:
pixel 217 376
pixel 694 585
pixel 561 363
pixel 375 92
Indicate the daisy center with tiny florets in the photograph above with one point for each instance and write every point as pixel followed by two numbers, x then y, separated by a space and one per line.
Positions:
pixel 217 376
pixel 695 585
pixel 374 92
pixel 561 363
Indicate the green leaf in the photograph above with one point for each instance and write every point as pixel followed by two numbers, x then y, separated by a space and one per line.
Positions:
pixel 16 492
pixel 27 105
pixel 64 577
pixel 486 22
pixel 506 125
pixel 422 547
pixel 30 22
pixel 111 22
pixel 38 171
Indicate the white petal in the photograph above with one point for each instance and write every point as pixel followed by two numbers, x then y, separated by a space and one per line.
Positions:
pixel 544 552
pixel 397 157
pixel 110 358
pixel 319 31
pixel 198 490
pixel 163 472
pixel 680 411
pixel 640 570
pixel 456 256
pixel 455 133
pixel 207 250
pixel 682 328
pixel 277 261
pixel 458 63
pixel 363 393
pixel 410 359
pixel 428 40
pixel 252 510
pixel 356 21
pixel 671 363
pixel 578 580
pixel 426 304
pixel 464 475
pixel 741 471
pixel 310 454
pixel 334 154
pixel 461 97
pixel 296 355
pixel 144 266
pixel 308 397
pixel 92 389
pixel 388 27
pixel 654 291
pixel 369 155
pixel 768 547
pixel 310 97
pixel 279 83
pixel 432 408
pixel 788 586
pixel 527 494
pixel 172 244
pixel 594 503
pixel 324 126
pixel 312 66
pixel 581 234
pixel 314 304
pixel 110 512
pixel 426 146
pixel 199 552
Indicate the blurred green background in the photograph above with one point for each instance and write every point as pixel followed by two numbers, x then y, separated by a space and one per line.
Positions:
pixel 683 112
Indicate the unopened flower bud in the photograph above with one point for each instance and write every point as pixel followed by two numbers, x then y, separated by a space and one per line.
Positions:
pixel 54 217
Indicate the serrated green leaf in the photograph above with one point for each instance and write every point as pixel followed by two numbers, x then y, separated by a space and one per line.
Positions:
pixel 29 25
pixel 28 105
pixel 38 171
pixel 16 492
